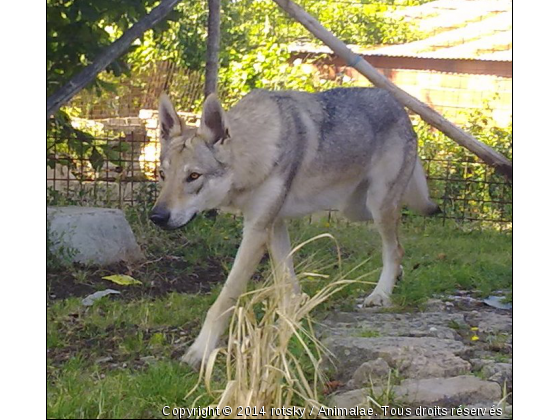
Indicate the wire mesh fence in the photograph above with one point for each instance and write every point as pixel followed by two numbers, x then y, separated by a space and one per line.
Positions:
pixel 467 190
pixel 132 94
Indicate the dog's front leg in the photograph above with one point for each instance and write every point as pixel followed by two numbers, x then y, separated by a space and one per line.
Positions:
pixel 280 251
pixel 248 257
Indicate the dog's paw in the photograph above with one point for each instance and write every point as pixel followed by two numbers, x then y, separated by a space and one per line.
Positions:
pixel 378 298
pixel 193 357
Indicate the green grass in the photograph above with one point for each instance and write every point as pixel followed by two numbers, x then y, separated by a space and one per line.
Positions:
pixel 79 390
pixel 128 333
pixel 438 259
pixel 369 334
pixel 118 358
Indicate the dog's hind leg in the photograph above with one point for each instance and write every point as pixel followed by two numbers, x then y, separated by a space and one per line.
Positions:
pixel 248 257
pixel 386 219
pixel 388 181
pixel 280 248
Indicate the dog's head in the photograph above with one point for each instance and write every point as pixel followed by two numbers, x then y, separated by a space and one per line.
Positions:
pixel 193 169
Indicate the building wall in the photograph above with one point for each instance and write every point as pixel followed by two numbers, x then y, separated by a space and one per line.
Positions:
pixel 452 93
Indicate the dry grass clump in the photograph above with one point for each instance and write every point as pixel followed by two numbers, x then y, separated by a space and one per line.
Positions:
pixel 272 358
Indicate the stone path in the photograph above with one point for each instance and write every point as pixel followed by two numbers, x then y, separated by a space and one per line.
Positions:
pixel 456 354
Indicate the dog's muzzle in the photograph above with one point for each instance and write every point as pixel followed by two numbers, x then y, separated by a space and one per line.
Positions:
pixel 160 216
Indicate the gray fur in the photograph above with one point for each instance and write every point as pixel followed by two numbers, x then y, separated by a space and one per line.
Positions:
pixel 277 155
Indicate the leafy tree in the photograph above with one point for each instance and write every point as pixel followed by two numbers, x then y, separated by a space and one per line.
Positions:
pixel 466 186
pixel 78 30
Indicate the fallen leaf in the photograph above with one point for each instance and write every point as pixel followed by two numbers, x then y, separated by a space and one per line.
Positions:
pixel 122 279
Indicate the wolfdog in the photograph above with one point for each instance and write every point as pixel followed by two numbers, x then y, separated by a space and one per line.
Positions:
pixel 284 154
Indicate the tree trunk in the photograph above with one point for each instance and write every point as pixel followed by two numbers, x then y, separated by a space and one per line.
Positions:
pixel 212 48
pixel 486 153
pixel 110 54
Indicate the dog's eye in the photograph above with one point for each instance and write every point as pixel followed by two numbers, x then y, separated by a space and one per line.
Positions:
pixel 193 176
pixel 162 175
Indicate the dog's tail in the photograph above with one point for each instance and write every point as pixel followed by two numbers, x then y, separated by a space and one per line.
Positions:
pixel 417 195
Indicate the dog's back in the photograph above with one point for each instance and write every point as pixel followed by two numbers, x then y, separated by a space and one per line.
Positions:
pixel 328 144
pixel 358 123
pixel 339 127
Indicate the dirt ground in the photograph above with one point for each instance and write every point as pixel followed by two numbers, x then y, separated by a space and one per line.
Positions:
pixel 159 277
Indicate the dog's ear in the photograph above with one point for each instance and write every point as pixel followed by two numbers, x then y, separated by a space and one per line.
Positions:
pixel 170 124
pixel 213 125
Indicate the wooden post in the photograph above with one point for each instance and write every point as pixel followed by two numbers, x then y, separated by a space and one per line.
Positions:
pixel 111 53
pixel 212 48
pixel 432 117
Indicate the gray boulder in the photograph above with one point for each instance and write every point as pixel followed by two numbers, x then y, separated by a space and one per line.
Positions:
pixel 92 236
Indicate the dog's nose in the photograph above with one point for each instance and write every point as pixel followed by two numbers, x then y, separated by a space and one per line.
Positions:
pixel 160 216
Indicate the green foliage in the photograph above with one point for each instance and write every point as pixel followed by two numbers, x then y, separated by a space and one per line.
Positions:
pixel 364 23
pixel 267 67
pixel 78 30
pixel 256 34
pixel 480 123
pixel 250 30
pixel 64 142
pixel 468 188
pixel 83 149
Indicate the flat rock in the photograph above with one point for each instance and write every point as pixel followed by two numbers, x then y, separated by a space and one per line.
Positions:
pixel 491 322
pixel 448 392
pixel 92 236
pixel 423 324
pixel 431 354
pixel 414 357
pixel 464 392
